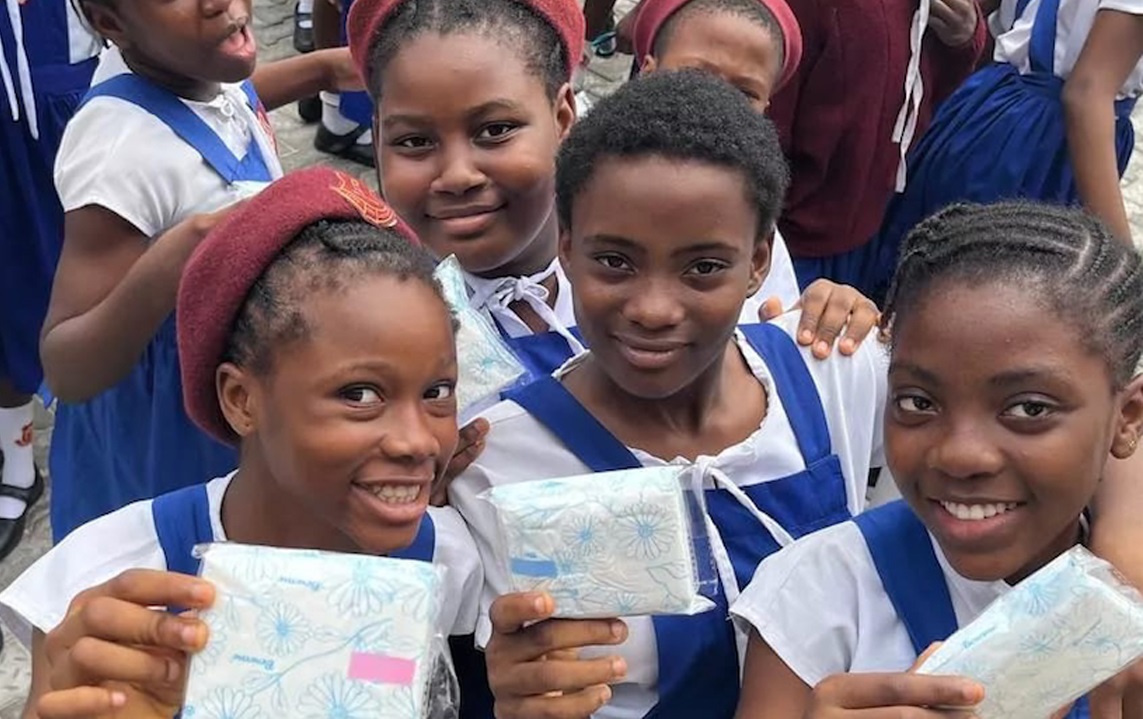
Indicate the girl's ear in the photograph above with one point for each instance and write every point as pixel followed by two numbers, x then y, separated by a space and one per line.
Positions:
pixel 564 110
pixel 648 65
pixel 238 397
pixel 565 250
pixel 1129 424
pixel 760 263
pixel 105 21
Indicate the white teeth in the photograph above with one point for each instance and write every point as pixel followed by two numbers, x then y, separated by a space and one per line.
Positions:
pixel 396 493
pixel 976 512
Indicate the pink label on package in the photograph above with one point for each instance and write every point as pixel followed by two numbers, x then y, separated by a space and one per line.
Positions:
pixel 381 669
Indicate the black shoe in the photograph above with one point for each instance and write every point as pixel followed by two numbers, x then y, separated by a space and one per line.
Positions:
pixel 346 145
pixel 303 36
pixel 12 530
pixel 309 109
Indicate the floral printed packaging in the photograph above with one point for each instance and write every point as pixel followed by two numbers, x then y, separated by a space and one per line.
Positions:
pixel 297 633
pixel 1056 636
pixel 611 544
pixel 486 365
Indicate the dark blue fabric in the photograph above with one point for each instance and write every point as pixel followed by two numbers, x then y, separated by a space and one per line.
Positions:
pixel 697 655
pixel 182 521
pixel 31 219
pixel 857 267
pixel 1000 136
pixel 542 353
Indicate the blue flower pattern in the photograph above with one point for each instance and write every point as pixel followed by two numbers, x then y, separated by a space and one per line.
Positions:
pixel 608 544
pixel 282 646
pixel 1049 640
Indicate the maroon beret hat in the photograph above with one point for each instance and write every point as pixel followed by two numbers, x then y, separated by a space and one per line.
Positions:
pixel 227 263
pixel 367 17
pixel 653 14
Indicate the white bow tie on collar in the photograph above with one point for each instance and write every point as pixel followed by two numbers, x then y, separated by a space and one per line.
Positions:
pixel 498 295
pixel 23 73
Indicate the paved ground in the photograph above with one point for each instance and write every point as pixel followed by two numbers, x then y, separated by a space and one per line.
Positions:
pixel 295 144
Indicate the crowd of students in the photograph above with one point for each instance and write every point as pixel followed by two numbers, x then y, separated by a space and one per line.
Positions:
pixel 689 272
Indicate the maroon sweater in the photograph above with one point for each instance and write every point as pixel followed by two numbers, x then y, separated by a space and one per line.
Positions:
pixel 836 116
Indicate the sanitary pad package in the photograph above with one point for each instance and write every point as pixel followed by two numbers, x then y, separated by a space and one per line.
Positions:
pixel 1058 634
pixel 486 365
pixel 297 633
pixel 612 544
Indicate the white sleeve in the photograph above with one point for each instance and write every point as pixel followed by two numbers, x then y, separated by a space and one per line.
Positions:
pixel 1132 7
pixel 91 555
pixel 480 515
pixel 116 155
pixel 456 552
pixel 804 602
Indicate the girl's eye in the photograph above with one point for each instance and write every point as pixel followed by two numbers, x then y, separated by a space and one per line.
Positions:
pixel 1030 409
pixel 707 267
pixel 913 403
pixel 412 142
pixel 441 391
pixel 361 395
pixel 612 262
pixel 496 131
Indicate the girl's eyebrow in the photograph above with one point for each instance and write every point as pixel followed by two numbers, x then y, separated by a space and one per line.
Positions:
pixel 920 373
pixel 495 105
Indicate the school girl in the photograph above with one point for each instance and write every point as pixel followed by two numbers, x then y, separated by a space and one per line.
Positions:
pixel 468 135
pixel 754 45
pixel 668 192
pixel 1049 120
pixel 47 57
pixel 873 75
pixel 172 127
pixel 998 431
pixel 345 418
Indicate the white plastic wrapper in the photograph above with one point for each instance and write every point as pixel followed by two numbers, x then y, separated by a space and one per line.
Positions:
pixel 1053 638
pixel 486 366
pixel 296 633
pixel 611 544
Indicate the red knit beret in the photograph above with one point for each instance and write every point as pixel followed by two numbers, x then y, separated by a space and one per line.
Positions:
pixel 227 263
pixel 653 14
pixel 367 17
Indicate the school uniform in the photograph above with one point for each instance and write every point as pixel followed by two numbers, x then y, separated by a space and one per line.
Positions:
pixel 159 534
pixel 47 57
pixel 803 469
pixel 1003 135
pixel 542 353
pixel 153 159
pixel 869 595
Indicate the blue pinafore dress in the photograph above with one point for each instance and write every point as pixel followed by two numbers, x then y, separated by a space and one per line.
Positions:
pixel 911 574
pixel 134 441
pixel 40 91
pixel 698 655
pixel 1002 135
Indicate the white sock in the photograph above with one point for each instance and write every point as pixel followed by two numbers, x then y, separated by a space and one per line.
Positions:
pixel 306 7
pixel 19 464
pixel 337 123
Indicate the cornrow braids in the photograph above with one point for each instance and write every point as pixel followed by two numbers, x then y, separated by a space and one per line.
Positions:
pixel 749 10
pixel 512 23
pixel 325 257
pixel 1081 270
pixel 687 115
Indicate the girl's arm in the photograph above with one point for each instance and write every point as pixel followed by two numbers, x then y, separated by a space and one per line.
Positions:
pixel 1112 50
pixel 111 294
pixel 285 81
pixel 769 687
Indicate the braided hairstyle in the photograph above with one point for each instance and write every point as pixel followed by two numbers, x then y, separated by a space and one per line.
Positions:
pixel 749 10
pixel 513 24
pixel 327 256
pixel 687 115
pixel 1084 274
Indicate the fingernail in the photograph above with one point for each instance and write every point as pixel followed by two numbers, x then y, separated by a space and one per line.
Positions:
pixel 200 591
pixel 540 604
pixel 617 630
pixel 118 699
pixel 189 635
pixel 604 695
pixel 848 345
pixel 821 347
pixel 806 335
pixel 618 668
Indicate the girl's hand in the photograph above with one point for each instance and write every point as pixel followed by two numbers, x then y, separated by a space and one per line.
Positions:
pixel 534 668
pixel 827 309
pixel 893 696
pixel 954 21
pixel 113 654
pixel 1120 697
pixel 467 450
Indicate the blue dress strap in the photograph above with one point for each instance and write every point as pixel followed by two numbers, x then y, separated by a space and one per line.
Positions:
pixel 424 544
pixel 910 572
pixel 553 406
pixel 1042 50
pixel 795 386
pixel 183 121
pixel 182 520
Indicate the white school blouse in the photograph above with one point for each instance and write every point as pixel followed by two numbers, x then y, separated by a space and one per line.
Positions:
pixel 520 449
pixel 820 605
pixel 1013 37
pixel 116 155
pixel 127 539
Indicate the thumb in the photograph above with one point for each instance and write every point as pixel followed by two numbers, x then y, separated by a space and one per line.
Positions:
pixel 770 309
pixel 924 657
